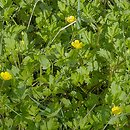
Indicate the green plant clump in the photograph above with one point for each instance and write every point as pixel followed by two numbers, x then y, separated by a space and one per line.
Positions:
pixel 64 65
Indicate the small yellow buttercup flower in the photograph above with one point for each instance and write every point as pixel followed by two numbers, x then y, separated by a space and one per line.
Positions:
pixel 70 19
pixel 116 110
pixel 6 75
pixel 76 44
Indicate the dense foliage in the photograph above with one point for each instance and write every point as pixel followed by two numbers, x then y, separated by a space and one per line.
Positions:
pixel 64 64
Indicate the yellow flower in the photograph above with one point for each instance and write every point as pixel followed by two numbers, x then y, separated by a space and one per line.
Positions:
pixel 76 44
pixel 70 19
pixel 116 110
pixel 6 75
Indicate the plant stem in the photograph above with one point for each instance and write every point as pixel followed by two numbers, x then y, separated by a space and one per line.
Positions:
pixel 78 13
pixel 12 110
pixel 32 14
pixel 60 31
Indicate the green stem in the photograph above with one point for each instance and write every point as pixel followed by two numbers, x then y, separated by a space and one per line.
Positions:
pixel 2 83
pixel 12 110
pixel 32 14
pixel 60 31
pixel 1 40
pixel 3 122
pixel 78 13
pixel 40 75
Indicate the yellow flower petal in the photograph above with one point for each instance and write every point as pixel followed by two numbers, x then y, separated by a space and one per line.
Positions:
pixel 6 75
pixel 72 43
pixel 76 44
pixel 2 74
pixel 76 41
pixel 70 19
pixel 116 110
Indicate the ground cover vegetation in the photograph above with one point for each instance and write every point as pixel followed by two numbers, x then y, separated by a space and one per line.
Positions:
pixel 64 64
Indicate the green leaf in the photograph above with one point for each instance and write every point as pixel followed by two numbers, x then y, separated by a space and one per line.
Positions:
pixel 127 109
pixel 44 62
pixel 15 70
pixel 54 113
pixel 52 124
pixel 61 6
pixel 46 92
pixel 33 110
pixel 113 120
pixel 26 60
pixel 66 102
pixel 8 122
